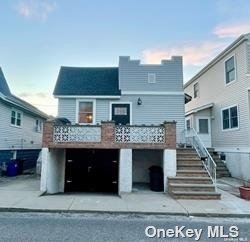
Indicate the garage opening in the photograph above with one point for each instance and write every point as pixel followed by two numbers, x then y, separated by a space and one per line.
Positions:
pixel 142 161
pixel 91 170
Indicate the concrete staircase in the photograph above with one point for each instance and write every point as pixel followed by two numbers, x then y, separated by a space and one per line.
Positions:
pixel 192 180
pixel 221 169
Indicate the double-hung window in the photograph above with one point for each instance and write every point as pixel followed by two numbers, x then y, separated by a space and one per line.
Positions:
pixel 230 73
pixel 230 118
pixel 86 112
pixel 16 118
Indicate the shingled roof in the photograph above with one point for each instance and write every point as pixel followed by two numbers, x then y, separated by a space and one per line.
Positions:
pixel 4 88
pixel 88 81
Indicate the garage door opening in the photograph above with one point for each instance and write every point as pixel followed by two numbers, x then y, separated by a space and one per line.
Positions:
pixel 91 170
pixel 142 161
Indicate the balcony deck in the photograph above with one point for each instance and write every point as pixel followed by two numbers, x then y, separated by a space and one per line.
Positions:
pixel 110 136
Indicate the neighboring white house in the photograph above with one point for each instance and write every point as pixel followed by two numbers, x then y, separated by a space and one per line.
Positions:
pixel 20 127
pixel 220 107
pixel 92 155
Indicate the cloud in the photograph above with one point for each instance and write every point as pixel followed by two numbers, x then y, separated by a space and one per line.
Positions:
pixel 232 30
pixel 35 9
pixel 193 53
pixel 43 101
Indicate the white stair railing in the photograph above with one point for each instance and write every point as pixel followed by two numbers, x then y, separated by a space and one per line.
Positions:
pixel 193 139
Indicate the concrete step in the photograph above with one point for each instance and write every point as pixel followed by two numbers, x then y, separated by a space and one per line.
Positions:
pixel 196 195
pixel 221 168
pixel 191 187
pixel 210 150
pixel 187 154
pixel 188 158
pixel 185 150
pixel 190 180
pixel 188 162
pixel 190 166
pixel 192 173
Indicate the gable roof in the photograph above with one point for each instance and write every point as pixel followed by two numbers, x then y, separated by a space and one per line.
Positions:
pixel 4 88
pixel 7 97
pixel 88 81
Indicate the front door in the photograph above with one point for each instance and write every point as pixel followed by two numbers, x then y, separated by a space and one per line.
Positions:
pixel 121 113
pixel 91 170
pixel 203 129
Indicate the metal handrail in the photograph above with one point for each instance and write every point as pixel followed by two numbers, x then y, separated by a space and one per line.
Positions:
pixel 203 153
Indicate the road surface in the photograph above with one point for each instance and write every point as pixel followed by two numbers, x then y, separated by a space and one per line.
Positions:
pixel 109 227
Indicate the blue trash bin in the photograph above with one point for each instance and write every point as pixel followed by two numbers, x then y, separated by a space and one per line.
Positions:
pixel 12 168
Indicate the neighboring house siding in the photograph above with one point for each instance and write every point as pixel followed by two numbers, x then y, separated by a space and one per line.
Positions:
pixel 24 137
pixel 212 89
pixel 248 57
pixel 133 76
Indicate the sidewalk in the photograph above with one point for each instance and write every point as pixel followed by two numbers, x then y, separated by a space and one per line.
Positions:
pixel 22 194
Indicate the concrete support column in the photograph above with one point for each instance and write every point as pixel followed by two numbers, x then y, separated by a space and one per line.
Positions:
pixel 169 165
pixel 53 170
pixel 125 171
pixel 44 169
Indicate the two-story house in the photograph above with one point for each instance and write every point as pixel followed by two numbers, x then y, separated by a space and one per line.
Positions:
pixel 117 129
pixel 220 107
pixel 20 127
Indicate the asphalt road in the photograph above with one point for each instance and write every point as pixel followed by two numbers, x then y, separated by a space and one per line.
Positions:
pixel 106 227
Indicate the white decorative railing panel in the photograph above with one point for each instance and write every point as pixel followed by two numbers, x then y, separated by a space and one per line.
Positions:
pixel 68 133
pixel 133 134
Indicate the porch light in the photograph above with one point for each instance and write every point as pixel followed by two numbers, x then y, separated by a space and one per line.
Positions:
pixel 139 101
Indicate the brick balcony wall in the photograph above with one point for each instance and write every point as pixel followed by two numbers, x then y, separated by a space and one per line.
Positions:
pixel 108 138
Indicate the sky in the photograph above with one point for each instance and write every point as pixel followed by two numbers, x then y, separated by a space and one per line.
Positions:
pixel 39 36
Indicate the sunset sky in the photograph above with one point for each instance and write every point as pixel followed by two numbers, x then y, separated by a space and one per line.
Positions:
pixel 39 36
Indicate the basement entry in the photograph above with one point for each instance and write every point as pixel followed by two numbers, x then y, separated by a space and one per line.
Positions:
pixel 91 170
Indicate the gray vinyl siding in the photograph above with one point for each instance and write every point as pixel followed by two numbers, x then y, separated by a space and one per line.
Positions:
pixel 155 109
pixel 213 90
pixel 24 137
pixel 67 109
pixel 102 110
pixel 133 76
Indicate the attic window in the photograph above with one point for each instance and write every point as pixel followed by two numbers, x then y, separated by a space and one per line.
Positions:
pixel 151 78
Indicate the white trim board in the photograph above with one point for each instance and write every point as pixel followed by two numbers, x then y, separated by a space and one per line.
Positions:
pixel 151 93
pixel 87 97
pixel 195 110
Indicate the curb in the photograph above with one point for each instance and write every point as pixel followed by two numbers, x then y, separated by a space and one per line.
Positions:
pixel 27 210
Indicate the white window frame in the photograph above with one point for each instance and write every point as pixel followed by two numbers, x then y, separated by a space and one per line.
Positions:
pixel 130 110
pixel 21 118
pixel 198 94
pixel 39 126
pixel 153 75
pixel 238 117
pixel 235 68
pixel 94 111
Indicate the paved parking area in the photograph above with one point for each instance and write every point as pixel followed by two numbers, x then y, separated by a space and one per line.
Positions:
pixel 22 193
